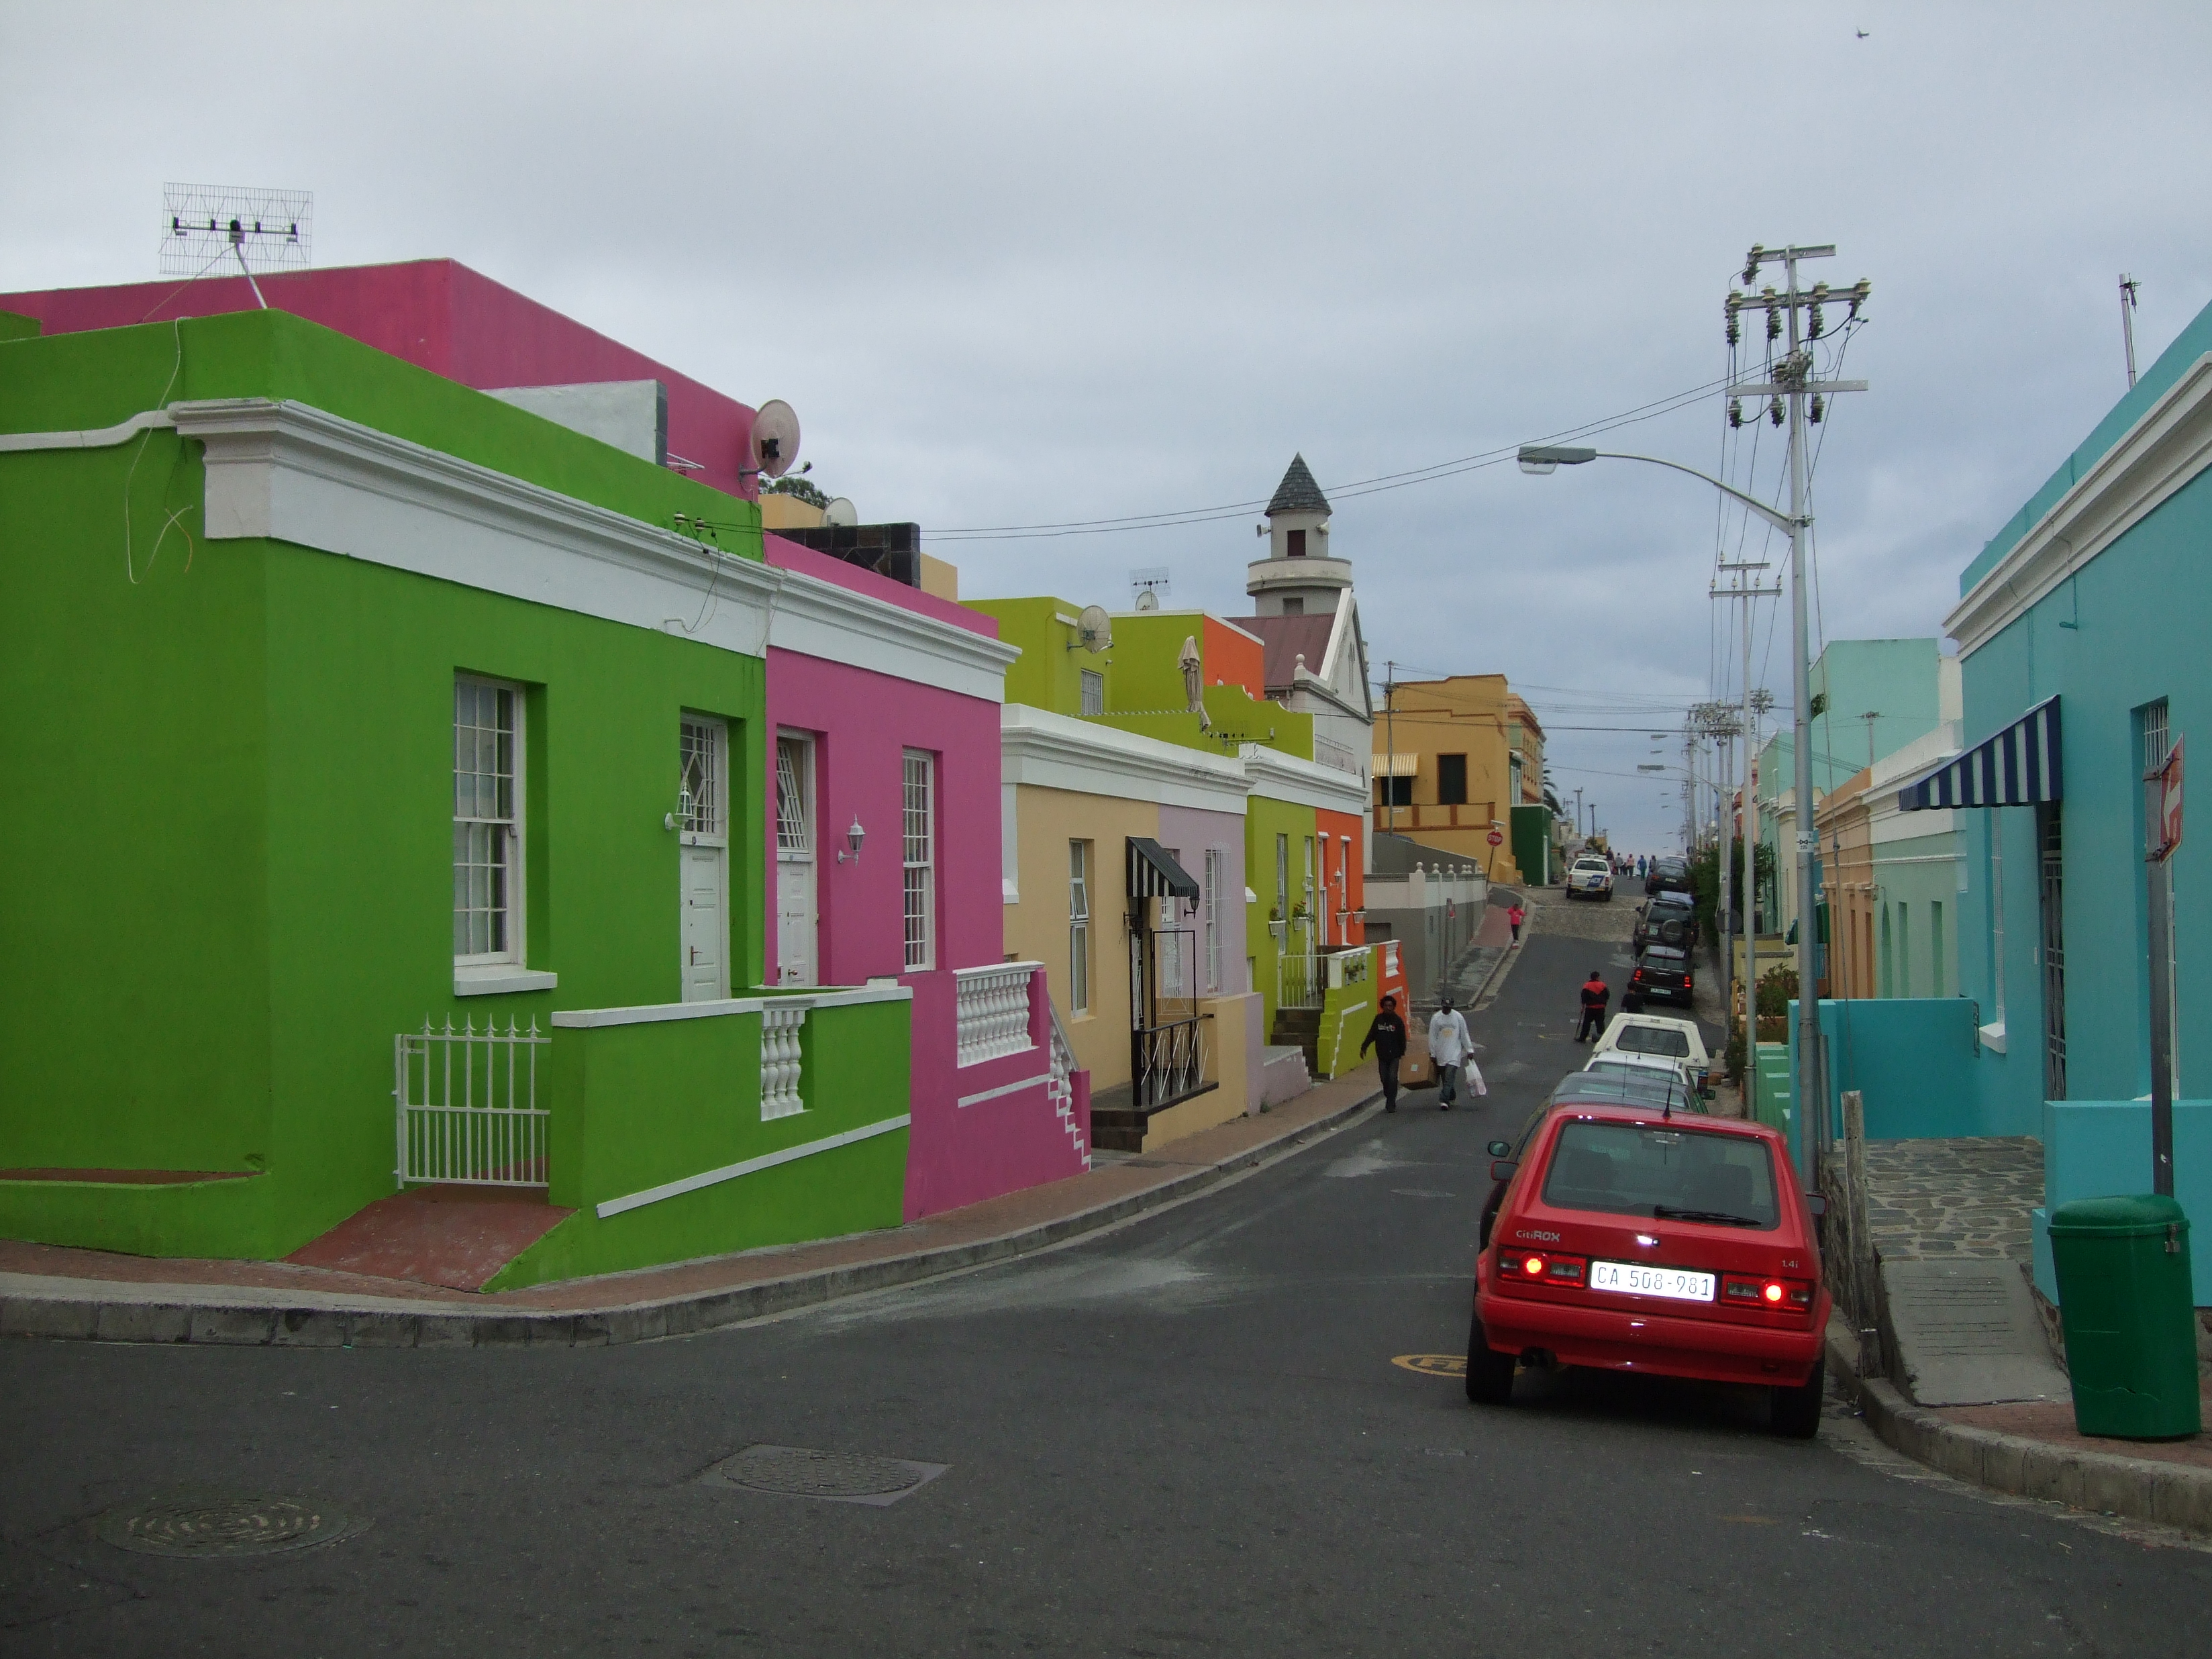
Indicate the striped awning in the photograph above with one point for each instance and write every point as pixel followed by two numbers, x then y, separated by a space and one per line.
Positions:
pixel 1153 873
pixel 1397 766
pixel 2018 767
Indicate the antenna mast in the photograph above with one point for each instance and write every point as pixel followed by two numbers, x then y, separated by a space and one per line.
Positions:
pixel 2128 303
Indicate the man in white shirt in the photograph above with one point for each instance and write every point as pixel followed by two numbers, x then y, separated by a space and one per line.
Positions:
pixel 1452 1047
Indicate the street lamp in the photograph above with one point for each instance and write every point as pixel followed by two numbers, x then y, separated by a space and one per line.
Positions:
pixel 1544 459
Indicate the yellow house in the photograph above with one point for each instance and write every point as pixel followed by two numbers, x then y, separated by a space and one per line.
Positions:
pixel 1453 757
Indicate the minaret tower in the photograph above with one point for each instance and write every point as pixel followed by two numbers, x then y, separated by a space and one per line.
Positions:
pixel 1297 578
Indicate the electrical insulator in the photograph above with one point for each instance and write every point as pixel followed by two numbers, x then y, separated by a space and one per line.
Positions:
pixel 1774 324
pixel 1735 411
pixel 1815 323
pixel 1820 407
pixel 1734 333
pixel 1774 410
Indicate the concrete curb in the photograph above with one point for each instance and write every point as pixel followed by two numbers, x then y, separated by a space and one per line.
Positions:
pixel 236 1322
pixel 2171 1494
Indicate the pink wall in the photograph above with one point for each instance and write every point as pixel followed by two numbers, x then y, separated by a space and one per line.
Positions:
pixel 439 315
pixel 862 721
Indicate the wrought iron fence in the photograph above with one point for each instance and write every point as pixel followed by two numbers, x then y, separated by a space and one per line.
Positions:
pixel 1168 1059
pixel 467 1105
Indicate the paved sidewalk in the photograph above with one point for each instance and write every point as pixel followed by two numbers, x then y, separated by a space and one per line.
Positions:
pixel 47 1291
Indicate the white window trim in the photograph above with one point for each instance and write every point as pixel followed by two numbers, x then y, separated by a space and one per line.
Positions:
pixel 506 964
pixel 1078 927
pixel 1211 901
pixel 718 766
pixel 927 865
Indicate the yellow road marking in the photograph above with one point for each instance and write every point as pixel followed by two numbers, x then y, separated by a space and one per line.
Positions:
pixel 1432 1364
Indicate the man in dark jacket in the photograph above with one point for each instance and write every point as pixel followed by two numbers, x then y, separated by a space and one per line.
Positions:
pixel 1385 1035
pixel 1595 994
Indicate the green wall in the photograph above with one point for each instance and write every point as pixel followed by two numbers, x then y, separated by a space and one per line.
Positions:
pixel 1049 674
pixel 267 734
pixel 1264 819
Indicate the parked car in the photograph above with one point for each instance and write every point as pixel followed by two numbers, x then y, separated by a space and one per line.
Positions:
pixel 1661 974
pixel 1669 919
pixel 1659 1068
pixel 1627 1239
pixel 1668 876
pixel 1590 877
pixel 1656 1034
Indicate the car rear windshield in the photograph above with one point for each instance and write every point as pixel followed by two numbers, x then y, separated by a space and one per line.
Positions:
pixel 1660 957
pixel 1661 1170
pixel 1653 1039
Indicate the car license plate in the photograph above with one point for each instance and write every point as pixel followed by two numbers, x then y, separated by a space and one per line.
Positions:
pixel 1675 1283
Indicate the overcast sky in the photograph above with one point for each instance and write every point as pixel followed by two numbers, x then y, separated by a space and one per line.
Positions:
pixel 1028 264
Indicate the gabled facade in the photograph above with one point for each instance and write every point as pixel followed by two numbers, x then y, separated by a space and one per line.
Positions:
pixel 1316 660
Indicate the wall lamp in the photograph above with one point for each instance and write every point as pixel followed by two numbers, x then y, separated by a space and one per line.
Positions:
pixel 853 837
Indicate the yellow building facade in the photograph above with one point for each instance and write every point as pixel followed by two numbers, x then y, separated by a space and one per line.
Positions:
pixel 1452 757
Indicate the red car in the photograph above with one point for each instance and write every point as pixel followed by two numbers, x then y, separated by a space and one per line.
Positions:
pixel 1628 1239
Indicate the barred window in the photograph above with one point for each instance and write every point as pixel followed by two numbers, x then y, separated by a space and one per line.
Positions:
pixel 1213 918
pixel 699 784
pixel 919 829
pixel 487 822
pixel 1094 692
pixel 1078 926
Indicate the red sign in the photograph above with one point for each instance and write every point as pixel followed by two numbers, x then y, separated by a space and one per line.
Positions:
pixel 1497 836
pixel 2169 803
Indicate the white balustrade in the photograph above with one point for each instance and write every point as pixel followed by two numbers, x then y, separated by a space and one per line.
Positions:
pixel 992 1010
pixel 781 1059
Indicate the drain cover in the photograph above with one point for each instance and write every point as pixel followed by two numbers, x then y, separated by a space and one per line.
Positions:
pixel 842 1477
pixel 204 1525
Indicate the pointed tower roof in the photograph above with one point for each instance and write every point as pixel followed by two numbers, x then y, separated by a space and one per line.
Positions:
pixel 1298 493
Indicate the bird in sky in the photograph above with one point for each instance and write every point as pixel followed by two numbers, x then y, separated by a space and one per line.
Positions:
pixel 1861 34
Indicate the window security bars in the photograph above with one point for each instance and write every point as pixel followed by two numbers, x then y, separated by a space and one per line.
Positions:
pixel 1212 920
pixel 992 1011
pixel 699 780
pixel 467 1105
pixel 919 838
pixel 1078 926
pixel 486 821
pixel 791 759
pixel 1094 692
pixel 782 1061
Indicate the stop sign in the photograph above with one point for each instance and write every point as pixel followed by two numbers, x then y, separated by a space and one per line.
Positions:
pixel 1498 838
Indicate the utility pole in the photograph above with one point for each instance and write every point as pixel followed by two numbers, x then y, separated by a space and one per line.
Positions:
pixel 1740 899
pixel 1870 717
pixel 1799 312
pixel 1391 741
pixel 2128 303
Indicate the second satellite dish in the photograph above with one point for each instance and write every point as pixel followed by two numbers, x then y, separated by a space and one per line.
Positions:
pixel 1094 629
pixel 775 443
pixel 840 512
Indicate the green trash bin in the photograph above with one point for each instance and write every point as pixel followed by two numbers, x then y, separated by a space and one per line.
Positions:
pixel 2124 1293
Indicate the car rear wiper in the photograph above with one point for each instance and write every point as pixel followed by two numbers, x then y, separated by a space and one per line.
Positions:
pixel 1718 1217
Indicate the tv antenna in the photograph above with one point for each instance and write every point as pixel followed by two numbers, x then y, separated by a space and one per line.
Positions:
pixel 1151 583
pixel 204 224
pixel 1094 630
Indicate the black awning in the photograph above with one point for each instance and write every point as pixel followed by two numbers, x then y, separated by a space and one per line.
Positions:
pixel 2017 766
pixel 1153 873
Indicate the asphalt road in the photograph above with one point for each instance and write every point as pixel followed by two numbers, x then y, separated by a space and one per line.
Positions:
pixel 1186 1437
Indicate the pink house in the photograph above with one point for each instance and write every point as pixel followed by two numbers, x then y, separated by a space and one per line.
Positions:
pixel 882 797
pixel 883 853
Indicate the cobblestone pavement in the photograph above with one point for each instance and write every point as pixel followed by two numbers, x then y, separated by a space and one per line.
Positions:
pixel 1967 1197
pixel 1551 912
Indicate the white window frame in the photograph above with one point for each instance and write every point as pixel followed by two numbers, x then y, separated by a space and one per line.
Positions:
pixel 1078 926
pixel 1093 691
pixel 918 857
pixel 1212 893
pixel 479 972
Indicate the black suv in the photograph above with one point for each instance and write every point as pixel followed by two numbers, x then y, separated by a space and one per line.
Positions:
pixel 1671 919
pixel 1668 876
pixel 1661 975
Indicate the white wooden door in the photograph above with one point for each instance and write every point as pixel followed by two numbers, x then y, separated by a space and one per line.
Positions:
pixel 703 859
pixel 797 956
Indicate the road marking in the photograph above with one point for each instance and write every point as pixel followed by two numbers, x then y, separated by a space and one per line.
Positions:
pixel 1432 1364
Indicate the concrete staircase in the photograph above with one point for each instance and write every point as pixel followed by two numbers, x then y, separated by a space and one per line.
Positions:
pixel 1300 1028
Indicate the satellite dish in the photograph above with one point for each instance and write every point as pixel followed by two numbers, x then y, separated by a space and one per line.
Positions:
pixel 775 443
pixel 1094 629
pixel 840 512
pixel 1148 600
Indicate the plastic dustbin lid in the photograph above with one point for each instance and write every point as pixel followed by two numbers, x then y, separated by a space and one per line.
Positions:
pixel 2118 1216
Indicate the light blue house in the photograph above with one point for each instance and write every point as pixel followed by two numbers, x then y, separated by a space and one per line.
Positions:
pixel 2084 638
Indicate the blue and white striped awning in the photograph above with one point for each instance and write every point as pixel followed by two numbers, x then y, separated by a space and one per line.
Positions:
pixel 2018 767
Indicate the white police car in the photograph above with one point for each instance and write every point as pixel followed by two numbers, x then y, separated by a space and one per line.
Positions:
pixel 1591 876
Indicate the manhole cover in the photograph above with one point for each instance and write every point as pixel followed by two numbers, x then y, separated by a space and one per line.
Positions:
pixel 842 1477
pixel 205 1525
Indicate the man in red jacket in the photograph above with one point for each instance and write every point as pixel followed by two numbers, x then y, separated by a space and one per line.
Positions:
pixel 1595 994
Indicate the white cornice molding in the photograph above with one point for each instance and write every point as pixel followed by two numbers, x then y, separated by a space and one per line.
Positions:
pixel 2170 445
pixel 1284 777
pixel 1045 751
pixel 298 474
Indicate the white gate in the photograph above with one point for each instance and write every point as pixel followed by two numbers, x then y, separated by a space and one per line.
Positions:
pixel 468 1105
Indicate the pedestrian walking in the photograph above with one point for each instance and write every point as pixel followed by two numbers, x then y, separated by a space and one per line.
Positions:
pixel 1595 994
pixel 1517 915
pixel 1385 1035
pixel 1452 1047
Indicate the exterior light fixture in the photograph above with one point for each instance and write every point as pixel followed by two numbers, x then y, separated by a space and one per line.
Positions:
pixel 683 812
pixel 1541 458
pixel 853 837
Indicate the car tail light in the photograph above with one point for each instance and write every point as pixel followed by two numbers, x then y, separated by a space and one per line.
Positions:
pixel 1547 1267
pixel 1782 1295
pixel 1685 981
